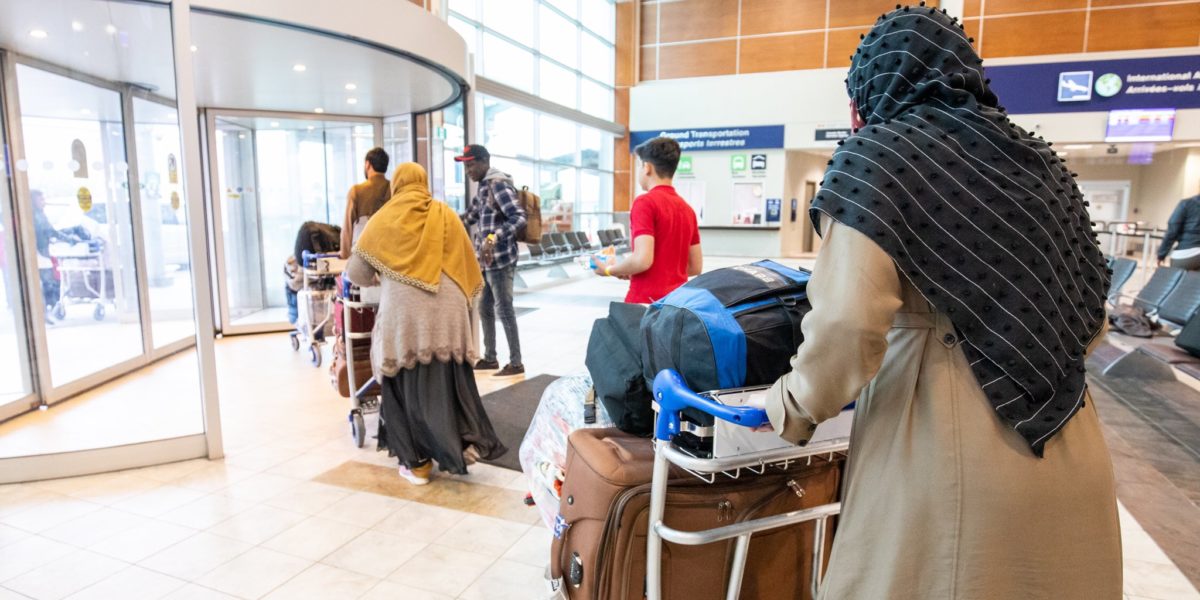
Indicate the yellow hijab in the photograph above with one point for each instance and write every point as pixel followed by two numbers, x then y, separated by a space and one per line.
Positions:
pixel 413 239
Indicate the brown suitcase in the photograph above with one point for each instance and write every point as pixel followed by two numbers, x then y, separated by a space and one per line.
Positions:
pixel 601 553
pixel 339 376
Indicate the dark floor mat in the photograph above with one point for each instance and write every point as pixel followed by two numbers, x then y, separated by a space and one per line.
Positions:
pixel 511 411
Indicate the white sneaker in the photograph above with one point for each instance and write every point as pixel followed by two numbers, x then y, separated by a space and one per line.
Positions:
pixel 419 476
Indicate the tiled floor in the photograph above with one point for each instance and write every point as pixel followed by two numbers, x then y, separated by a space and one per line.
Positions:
pixel 296 511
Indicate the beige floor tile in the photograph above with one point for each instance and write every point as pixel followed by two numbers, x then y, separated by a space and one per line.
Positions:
pixel 192 591
pixel 7 594
pixel 442 569
pixel 259 459
pixel 420 522
pixel 1162 582
pixel 28 554
pixel 65 576
pixel 507 580
pixel 197 555
pixel 22 498
pixel 533 548
pixel 134 583
pixel 485 535
pixel 159 501
pixel 11 535
pixel 143 541
pixel 208 511
pixel 390 590
pixel 362 509
pixel 309 498
pixel 313 538
pixel 213 477
pixel 115 488
pixel 171 471
pixel 322 582
pixel 374 553
pixel 487 475
pixel 95 527
pixel 50 513
pixel 307 466
pixel 261 487
pixel 258 524
pixel 255 573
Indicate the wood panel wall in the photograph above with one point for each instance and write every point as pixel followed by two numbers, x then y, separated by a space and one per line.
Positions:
pixel 697 38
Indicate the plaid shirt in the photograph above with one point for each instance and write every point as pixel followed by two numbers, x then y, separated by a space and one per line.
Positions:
pixel 495 209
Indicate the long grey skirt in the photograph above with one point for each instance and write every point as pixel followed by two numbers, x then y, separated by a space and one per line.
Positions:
pixel 434 412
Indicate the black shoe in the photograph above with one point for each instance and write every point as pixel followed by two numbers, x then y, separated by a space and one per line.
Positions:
pixel 486 365
pixel 510 371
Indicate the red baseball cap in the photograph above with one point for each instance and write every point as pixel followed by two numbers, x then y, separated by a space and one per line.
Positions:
pixel 473 152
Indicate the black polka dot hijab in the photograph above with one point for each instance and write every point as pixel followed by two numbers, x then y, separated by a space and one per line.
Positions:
pixel 983 218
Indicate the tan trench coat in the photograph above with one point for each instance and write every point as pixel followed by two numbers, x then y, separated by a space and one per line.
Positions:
pixel 941 500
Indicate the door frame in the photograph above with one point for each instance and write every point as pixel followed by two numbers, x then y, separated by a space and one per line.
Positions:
pixel 216 212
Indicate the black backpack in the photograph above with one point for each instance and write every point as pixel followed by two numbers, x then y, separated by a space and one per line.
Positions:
pixel 614 359
pixel 728 328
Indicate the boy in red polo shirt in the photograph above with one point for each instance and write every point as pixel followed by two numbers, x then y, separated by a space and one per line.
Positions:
pixel 666 238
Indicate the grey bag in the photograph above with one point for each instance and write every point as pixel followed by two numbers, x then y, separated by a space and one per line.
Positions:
pixel 1131 321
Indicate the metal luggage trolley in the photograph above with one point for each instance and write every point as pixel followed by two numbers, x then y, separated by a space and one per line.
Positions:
pixel 316 302
pixel 735 453
pixel 364 399
pixel 79 264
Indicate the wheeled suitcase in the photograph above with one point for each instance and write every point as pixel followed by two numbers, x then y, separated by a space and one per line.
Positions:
pixel 599 549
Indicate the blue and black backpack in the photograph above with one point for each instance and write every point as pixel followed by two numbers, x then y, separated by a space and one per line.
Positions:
pixel 728 328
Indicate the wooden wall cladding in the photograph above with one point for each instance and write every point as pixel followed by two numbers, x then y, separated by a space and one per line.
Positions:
pixel 697 60
pixel 1164 26
pixel 779 35
pixel 1019 36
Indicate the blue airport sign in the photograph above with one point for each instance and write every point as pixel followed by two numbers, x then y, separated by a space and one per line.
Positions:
pixel 716 138
pixel 1098 85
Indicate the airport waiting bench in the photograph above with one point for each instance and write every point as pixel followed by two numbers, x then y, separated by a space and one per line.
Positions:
pixel 558 248
pixel 1172 299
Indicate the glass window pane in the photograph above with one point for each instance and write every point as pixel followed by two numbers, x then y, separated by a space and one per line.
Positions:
pixel 600 16
pixel 559 38
pixel 559 85
pixel 507 63
pixel 467 31
pixel 512 18
pixel 570 7
pixel 75 148
pixel 522 171
pixel 558 140
pixel 453 172
pixel 465 8
pixel 597 100
pixel 164 221
pixel 591 147
pixel 558 196
pixel 589 191
pixel 598 59
pixel 507 128
pixel 15 373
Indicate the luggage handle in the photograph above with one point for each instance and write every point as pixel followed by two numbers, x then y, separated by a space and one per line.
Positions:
pixel 673 395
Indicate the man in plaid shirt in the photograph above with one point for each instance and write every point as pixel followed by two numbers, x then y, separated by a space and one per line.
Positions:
pixel 495 218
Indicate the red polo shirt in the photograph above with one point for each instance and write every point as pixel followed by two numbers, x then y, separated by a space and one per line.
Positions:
pixel 670 219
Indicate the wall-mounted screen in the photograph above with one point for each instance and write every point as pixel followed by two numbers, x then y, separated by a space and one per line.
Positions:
pixel 1143 125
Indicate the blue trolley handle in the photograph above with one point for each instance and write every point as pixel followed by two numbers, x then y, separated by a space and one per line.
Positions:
pixel 673 395
pixel 306 256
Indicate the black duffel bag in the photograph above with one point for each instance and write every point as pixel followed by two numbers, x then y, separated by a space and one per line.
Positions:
pixel 728 328
pixel 614 359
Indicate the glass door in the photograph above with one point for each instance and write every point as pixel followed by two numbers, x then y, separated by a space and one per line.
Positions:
pixel 271 174
pixel 79 192
pixel 16 374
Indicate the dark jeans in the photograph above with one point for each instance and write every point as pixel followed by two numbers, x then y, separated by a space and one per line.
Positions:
pixel 292 304
pixel 498 302
pixel 51 288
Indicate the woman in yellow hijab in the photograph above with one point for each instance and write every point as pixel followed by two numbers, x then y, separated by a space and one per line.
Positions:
pixel 425 338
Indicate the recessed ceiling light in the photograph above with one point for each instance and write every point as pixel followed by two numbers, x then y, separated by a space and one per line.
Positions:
pixel 274 123
pixel 318 110
pixel 38 34
pixel 350 87
pixel 85 111
pixel 241 136
pixel 1077 146
pixel 351 100
pixel 76 26
pixel 311 127
pixel 110 29
pixel 194 48
pixel 299 68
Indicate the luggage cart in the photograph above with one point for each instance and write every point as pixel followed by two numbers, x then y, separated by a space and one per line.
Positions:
pixel 734 455
pixel 84 277
pixel 316 302
pixel 364 399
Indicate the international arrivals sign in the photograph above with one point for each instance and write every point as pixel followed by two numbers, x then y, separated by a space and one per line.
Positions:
pixel 716 138
pixel 1098 85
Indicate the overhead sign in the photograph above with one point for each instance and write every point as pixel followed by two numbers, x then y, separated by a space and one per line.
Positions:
pixel 685 166
pixel 1098 85
pixel 716 138
pixel 833 135
pixel 737 163
pixel 758 162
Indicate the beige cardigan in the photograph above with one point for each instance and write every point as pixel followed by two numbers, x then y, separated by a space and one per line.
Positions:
pixel 414 326
pixel 941 499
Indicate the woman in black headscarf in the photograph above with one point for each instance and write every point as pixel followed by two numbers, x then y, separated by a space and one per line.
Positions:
pixel 958 290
